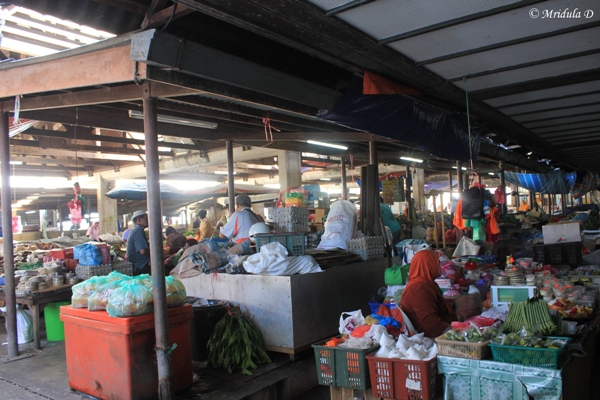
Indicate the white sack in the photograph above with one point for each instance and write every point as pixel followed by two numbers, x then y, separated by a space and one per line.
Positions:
pixel 340 225
pixel 24 325
pixel 273 260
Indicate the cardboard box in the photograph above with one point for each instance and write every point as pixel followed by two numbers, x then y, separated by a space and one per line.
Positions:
pixel 560 233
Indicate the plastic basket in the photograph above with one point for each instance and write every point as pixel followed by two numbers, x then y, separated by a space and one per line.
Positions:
pixel 554 254
pixel 293 242
pixel 538 357
pixel 473 351
pixel 571 253
pixel 539 254
pixel 392 378
pixel 87 271
pixel 375 306
pixel 342 367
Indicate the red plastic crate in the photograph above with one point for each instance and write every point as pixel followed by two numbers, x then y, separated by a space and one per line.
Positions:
pixel 393 378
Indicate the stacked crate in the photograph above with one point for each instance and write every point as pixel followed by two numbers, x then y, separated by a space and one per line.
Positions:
pixel 291 219
pixel 369 247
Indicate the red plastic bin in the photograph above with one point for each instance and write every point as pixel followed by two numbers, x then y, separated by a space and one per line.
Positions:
pixel 114 358
pixel 393 378
pixel 62 253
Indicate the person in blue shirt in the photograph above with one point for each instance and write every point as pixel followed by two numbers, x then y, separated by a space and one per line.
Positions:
pixel 387 216
pixel 138 249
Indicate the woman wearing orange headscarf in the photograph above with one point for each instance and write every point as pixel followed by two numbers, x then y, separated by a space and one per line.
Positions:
pixel 422 300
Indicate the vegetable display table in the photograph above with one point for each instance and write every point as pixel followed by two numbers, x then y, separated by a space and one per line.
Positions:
pixel 36 302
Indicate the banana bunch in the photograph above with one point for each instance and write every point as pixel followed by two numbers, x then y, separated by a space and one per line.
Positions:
pixel 235 343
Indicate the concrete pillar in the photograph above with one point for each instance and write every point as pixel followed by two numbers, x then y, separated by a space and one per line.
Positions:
pixel 107 207
pixel 290 172
pixel 419 188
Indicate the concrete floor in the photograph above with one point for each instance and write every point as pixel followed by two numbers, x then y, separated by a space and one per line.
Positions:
pixel 41 374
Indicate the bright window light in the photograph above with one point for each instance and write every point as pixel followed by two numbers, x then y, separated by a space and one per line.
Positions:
pixel 417 160
pixel 335 146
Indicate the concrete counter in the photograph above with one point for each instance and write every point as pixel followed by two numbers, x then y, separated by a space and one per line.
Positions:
pixel 293 312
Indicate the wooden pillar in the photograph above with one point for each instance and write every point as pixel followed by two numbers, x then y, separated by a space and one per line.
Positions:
pixel 290 169
pixel 409 201
pixel 107 207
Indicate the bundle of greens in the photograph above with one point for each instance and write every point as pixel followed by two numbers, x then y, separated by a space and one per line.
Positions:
pixel 235 343
pixel 473 334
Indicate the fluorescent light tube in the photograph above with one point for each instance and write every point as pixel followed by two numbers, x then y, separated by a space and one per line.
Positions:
pixel 176 120
pixel 223 172
pixel 335 146
pixel 417 160
pixel 324 179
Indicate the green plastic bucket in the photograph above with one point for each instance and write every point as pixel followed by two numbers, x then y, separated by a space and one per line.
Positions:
pixel 55 329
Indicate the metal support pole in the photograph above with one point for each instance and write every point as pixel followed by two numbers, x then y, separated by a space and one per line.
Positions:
pixel 459 177
pixel 230 183
pixel 373 151
pixel 344 183
pixel 161 323
pixel 450 184
pixel 504 207
pixel 9 263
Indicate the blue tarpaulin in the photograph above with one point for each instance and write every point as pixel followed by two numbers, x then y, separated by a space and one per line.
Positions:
pixel 556 182
pixel 590 181
pixel 404 119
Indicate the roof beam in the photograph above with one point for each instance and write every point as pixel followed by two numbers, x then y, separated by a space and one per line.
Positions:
pixel 167 51
pixel 52 144
pixel 104 95
pixel 93 69
pixel 70 134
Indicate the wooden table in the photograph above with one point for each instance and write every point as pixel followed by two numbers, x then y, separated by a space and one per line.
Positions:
pixel 37 301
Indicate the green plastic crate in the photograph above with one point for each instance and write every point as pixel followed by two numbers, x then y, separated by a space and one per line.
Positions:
pixel 539 357
pixel 293 242
pixel 347 368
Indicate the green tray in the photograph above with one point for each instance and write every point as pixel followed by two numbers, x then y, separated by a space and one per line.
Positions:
pixel 347 368
pixel 539 357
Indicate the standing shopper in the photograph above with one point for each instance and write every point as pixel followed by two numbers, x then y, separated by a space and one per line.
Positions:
pixel 387 216
pixel 138 249
pixel 422 300
pixel 205 230
pixel 93 231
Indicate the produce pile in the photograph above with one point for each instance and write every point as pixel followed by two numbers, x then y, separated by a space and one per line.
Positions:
pixel 124 296
pixel 473 334
pixel 528 338
pixel 532 313
pixel 235 343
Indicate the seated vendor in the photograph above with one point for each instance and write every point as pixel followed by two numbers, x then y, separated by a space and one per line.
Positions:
pixel 239 224
pixel 422 300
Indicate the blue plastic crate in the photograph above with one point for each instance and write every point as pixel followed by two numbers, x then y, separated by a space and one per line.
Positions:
pixel 293 242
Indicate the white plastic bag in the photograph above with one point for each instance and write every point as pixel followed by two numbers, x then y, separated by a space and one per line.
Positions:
pixel 340 225
pixel 24 325
pixel 411 249
pixel 466 247
pixel 350 320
